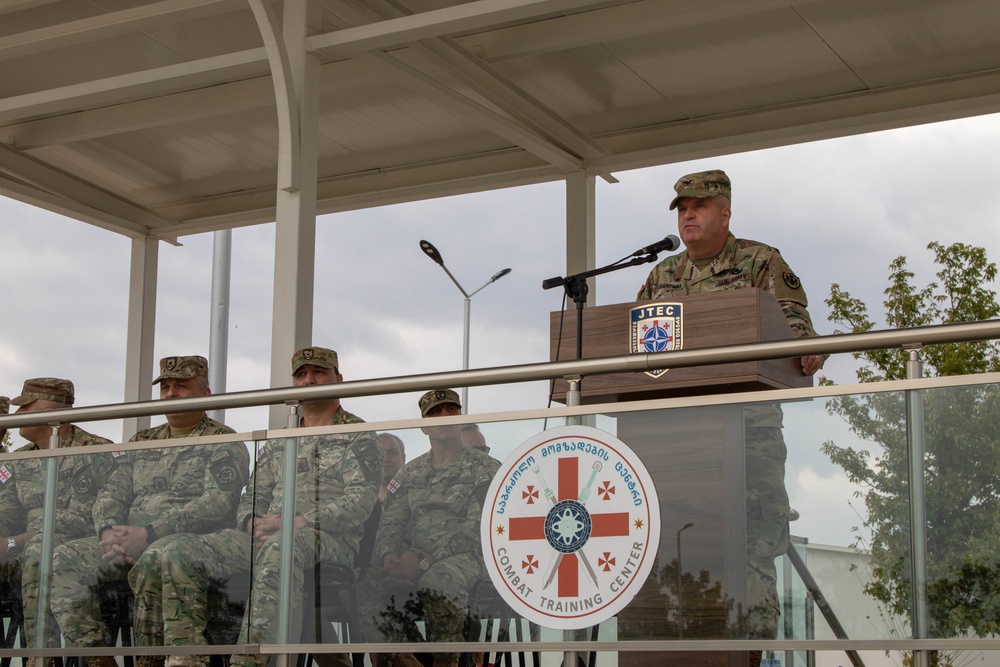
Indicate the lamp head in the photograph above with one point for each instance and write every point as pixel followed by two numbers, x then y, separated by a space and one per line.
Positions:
pixel 499 274
pixel 432 252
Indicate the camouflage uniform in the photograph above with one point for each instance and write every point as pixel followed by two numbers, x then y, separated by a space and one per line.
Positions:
pixel 22 509
pixel 336 488
pixel 192 489
pixel 746 264
pixel 439 510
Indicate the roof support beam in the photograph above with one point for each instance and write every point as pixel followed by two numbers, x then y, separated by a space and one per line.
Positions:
pixel 460 18
pixel 8 6
pixel 144 17
pixel 517 123
pixel 129 87
pixel 35 196
pixel 66 187
pixel 497 123
pixel 867 111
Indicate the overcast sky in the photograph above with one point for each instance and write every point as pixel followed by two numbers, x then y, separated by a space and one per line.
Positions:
pixel 838 210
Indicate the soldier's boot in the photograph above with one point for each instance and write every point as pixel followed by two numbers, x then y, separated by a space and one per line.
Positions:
pixel 334 659
pixel 100 661
pixel 150 661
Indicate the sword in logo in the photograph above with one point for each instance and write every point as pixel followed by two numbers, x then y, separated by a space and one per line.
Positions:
pixel 584 495
pixel 582 499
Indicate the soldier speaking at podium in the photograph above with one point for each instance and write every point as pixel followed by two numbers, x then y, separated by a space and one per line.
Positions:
pixel 715 260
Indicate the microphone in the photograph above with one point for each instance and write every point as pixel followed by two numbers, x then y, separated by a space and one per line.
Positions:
pixel 667 243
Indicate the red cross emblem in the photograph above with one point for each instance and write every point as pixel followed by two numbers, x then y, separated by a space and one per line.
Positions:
pixel 614 524
pixel 531 494
pixel 607 561
pixel 529 564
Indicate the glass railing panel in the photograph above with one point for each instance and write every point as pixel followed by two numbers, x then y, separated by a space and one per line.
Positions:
pixel 134 543
pixel 705 577
pixel 834 462
pixel 961 429
pixel 840 461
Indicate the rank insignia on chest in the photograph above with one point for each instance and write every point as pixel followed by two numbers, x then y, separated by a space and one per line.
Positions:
pixel 655 327
pixel 5 474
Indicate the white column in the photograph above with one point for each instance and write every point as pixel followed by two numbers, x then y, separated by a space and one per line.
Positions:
pixel 581 243
pixel 141 329
pixel 295 231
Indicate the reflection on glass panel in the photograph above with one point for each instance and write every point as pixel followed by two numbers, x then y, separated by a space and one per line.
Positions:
pixel 849 526
pixel 133 545
pixel 336 480
pixel 384 516
pixel 962 442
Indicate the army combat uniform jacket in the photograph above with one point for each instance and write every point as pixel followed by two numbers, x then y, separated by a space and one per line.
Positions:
pixel 741 264
pixel 22 488
pixel 439 509
pixel 192 489
pixel 336 480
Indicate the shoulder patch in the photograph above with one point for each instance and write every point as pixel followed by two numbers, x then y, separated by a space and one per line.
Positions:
pixel 393 486
pixel 226 475
pixel 368 452
pixel 5 474
pixel 791 280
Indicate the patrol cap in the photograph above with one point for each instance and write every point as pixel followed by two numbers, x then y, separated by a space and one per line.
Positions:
pixel 182 367
pixel 437 397
pixel 702 184
pixel 315 356
pixel 47 389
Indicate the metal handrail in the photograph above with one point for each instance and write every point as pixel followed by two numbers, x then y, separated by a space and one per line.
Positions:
pixel 761 351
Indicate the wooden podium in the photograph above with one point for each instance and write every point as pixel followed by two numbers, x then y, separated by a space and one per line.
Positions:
pixel 696 459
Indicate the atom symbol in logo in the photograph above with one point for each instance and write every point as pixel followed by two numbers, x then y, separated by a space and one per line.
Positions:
pixel 656 339
pixel 567 526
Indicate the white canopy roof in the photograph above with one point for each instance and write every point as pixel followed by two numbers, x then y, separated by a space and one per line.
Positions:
pixel 159 118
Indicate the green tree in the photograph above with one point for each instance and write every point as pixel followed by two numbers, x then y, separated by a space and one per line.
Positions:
pixel 962 441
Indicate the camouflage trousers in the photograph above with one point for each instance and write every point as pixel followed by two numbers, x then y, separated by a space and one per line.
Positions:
pixel 171 580
pixel 31 578
pixel 440 598
pixel 259 623
pixel 767 526
pixel 78 570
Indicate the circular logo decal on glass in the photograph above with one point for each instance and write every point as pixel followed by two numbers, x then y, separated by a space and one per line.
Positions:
pixel 570 527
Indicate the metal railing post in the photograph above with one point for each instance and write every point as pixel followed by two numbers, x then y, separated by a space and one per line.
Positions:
pixel 48 540
pixel 918 510
pixel 288 530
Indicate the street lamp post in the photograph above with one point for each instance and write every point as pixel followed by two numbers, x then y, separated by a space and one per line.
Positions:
pixel 680 589
pixel 428 249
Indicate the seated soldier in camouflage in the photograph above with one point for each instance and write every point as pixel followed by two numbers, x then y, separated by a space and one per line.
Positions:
pixel 336 481
pixel 436 500
pixel 22 493
pixel 150 494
